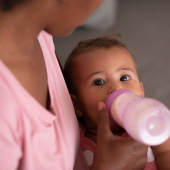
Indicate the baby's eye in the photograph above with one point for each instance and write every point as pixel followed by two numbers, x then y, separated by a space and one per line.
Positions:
pixel 99 82
pixel 124 78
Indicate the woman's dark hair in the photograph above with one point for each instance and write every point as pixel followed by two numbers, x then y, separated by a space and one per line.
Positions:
pixel 6 5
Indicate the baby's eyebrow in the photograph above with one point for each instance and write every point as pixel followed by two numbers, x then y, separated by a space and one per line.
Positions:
pixel 128 69
pixel 94 73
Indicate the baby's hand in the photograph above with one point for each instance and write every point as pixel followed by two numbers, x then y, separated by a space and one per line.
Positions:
pixel 162 155
pixel 115 152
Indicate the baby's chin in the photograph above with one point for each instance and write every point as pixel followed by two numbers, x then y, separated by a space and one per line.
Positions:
pixel 116 129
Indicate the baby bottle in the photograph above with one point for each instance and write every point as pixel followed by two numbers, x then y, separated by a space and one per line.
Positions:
pixel 144 119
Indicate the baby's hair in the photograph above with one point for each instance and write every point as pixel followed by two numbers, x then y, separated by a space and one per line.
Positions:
pixel 6 5
pixel 107 41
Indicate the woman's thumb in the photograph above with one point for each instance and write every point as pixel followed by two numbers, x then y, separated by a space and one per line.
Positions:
pixel 103 122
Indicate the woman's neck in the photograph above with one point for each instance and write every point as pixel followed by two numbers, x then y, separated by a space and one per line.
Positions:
pixel 19 29
pixel 21 53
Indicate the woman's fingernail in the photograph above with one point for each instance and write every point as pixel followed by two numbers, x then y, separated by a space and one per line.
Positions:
pixel 100 106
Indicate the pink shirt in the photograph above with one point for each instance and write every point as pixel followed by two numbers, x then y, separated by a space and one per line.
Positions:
pixel 31 138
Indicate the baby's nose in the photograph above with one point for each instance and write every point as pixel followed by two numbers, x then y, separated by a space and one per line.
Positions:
pixel 114 87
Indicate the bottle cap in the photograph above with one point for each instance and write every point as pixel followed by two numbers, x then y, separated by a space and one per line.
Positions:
pixel 111 98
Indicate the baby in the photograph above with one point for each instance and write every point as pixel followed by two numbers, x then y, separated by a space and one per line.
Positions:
pixel 94 69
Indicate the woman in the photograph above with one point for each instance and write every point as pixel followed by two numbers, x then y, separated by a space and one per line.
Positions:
pixel 38 125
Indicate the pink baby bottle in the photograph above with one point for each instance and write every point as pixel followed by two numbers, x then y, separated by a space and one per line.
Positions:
pixel 144 119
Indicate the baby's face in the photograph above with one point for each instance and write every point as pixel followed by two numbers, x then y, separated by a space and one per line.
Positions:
pixel 99 73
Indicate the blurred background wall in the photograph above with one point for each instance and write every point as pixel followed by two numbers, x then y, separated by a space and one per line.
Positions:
pixel 144 26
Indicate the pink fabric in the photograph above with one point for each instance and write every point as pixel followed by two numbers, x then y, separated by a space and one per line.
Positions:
pixel 88 147
pixel 31 138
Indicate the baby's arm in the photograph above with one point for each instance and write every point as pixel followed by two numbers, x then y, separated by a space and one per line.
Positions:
pixel 162 155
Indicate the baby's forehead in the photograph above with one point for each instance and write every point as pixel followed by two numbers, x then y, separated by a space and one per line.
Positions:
pixel 88 52
pixel 92 55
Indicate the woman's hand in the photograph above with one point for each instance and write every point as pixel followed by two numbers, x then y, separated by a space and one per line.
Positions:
pixel 162 155
pixel 115 152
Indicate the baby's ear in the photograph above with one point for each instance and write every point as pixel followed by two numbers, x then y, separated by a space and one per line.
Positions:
pixel 142 90
pixel 76 106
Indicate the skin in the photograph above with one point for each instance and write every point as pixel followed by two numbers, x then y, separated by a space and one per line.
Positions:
pixel 21 53
pixel 75 14
pixel 135 157
pixel 162 155
pixel 24 56
pixel 99 73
